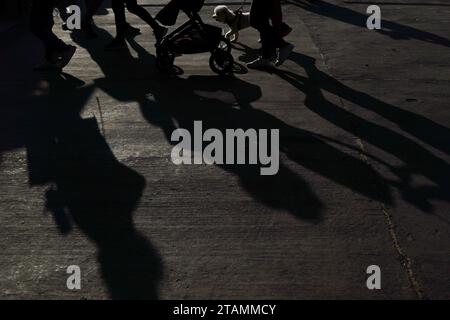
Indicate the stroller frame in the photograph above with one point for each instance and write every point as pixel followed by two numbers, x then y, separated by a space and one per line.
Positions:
pixel 221 60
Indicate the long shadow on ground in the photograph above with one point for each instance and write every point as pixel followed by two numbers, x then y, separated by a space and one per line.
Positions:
pixel 88 188
pixel 415 158
pixel 391 29
pixel 171 102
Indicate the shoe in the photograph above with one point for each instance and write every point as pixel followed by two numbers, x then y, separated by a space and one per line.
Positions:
pixel 116 44
pixel 65 57
pixel 285 30
pixel 132 31
pixel 260 63
pixel 160 33
pixel 88 31
pixel 284 53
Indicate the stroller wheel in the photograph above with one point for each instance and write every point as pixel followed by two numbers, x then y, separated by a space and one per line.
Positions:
pixel 221 62
pixel 164 62
pixel 224 44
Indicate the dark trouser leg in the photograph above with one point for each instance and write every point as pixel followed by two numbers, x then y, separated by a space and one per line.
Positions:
pixel 118 7
pixel 277 15
pixel 138 10
pixel 260 14
pixel 62 8
pixel 92 7
pixel 42 25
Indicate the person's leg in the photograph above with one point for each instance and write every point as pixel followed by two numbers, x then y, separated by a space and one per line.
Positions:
pixel 92 7
pixel 62 9
pixel 57 53
pixel 118 42
pixel 118 7
pixel 42 25
pixel 138 10
pixel 280 30
pixel 271 40
pixel 259 19
pixel 277 14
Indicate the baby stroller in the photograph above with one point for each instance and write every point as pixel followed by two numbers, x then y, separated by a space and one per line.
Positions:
pixel 193 36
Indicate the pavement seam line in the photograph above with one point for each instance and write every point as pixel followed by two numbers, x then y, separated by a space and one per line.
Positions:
pixel 404 259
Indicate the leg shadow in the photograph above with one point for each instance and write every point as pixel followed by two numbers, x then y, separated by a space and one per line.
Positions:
pixel 416 159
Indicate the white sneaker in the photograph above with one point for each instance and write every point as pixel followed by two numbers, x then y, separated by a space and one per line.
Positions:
pixel 260 63
pixel 284 53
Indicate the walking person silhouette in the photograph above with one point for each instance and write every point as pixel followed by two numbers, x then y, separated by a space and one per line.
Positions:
pixel 57 53
pixel 275 50
pixel 92 6
pixel 118 7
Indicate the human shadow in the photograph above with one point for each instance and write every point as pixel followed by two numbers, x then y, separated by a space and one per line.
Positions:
pixel 428 131
pixel 162 99
pixel 172 102
pixel 226 103
pixel 391 29
pixel 90 188
pixel 416 159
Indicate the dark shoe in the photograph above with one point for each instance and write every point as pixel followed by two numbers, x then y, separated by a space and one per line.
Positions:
pixel 88 31
pixel 260 63
pixel 116 44
pixel 132 31
pixel 284 54
pixel 285 30
pixel 66 56
pixel 160 33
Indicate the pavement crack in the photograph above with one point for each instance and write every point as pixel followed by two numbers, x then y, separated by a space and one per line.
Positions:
pixel 404 259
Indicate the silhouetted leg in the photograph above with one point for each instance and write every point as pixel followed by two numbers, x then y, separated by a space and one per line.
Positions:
pixel 42 25
pixel 277 14
pixel 118 7
pixel 260 19
pixel 62 8
pixel 92 7
pixel 138 10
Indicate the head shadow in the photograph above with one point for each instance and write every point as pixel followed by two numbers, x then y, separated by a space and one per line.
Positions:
pixel 89 187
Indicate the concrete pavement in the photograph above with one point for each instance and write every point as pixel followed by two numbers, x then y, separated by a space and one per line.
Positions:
pixel 86 177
